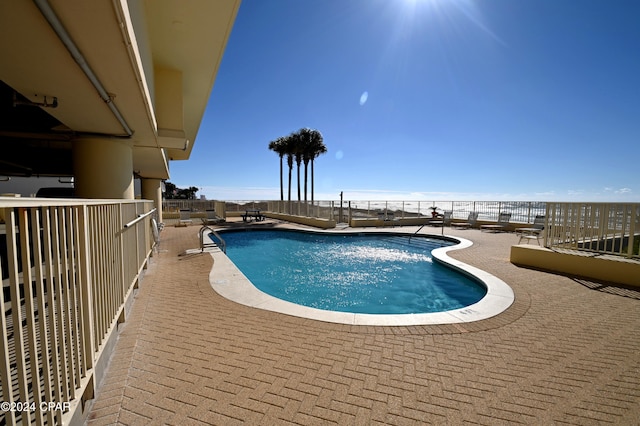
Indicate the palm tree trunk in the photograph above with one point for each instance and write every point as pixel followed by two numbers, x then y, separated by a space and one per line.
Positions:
pixel 290 170
pixel 281 179
pixel 306 166
pixel 290 164
pixel 312 181
pixel 298 181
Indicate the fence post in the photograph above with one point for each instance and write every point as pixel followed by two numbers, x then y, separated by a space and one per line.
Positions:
pixel 14 289
pixel 632 230
pixel 5 368
pixel 84 272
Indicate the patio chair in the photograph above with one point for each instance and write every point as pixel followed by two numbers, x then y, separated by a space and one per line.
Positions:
pixel 501 225
pixel 534 232
pixel 446 217
pixel 185 217
pixel 470 223
pixel 390 218
pixel 212 218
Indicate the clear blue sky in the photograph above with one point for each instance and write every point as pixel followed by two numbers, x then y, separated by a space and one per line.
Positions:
pixel 428 100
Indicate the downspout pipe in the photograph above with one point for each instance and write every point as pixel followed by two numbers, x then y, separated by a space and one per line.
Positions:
pixel 63 35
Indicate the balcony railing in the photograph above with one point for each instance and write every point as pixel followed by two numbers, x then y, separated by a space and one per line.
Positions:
pixel 68 269
pixel 605 228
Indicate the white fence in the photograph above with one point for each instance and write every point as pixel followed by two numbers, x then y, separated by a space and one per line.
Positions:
pixel 610 228
pixel 521 211
pixel 193 205
pixel 68 269
pixel 606 228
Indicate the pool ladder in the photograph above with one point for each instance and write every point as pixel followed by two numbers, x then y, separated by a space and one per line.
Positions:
pixel 221 243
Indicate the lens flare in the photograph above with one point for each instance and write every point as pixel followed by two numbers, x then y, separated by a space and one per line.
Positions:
pixel 363 98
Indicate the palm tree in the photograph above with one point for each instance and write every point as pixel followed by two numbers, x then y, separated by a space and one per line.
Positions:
pixel 313 146
pixel 301 146
pixel 279 146
pixel 305 149
pixel 288 148
pixel 321 149
pixel 296 148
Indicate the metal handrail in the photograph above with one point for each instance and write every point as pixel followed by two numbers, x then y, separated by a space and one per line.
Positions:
pixel 139 218
pixel 222 245
pixel 425 224
pixel 416 233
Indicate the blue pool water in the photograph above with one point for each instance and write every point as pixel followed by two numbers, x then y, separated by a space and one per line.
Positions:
pixel 375 274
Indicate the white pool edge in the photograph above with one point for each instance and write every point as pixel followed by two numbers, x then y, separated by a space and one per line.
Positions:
pixel 229 282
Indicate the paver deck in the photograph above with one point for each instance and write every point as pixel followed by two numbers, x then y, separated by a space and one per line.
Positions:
pixel 566 352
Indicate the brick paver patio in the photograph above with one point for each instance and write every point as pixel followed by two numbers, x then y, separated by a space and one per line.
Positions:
pixel 566 352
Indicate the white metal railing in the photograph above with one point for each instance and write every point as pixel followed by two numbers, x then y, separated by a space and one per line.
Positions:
pixel 521 211
pixel 241 206
pixel 176 205
pixel 608 228
pixel 600 227
pixel 68 267
pixel 316 209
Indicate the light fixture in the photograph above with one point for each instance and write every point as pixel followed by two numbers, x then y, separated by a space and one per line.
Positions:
pixel 50 103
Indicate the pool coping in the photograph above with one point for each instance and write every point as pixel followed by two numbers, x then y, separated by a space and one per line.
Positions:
pixel 229 282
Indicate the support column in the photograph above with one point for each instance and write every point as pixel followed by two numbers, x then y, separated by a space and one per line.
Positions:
pixel 152 190
pixel 103 168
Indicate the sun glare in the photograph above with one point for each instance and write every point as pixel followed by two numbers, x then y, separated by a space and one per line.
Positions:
pixel 445 12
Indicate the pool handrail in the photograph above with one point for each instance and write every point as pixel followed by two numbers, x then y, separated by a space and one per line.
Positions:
pixel 203 245
pixel 425 224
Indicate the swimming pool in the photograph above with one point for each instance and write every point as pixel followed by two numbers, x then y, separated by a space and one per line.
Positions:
pixel 357 273
pixel 229 282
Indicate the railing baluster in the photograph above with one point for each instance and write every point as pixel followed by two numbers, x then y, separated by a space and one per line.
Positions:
pixel 29 310
pixel 16 312
pixel 48 230
pixel 5 367
pixel 85 276
pixel 635 227
pixel 41 294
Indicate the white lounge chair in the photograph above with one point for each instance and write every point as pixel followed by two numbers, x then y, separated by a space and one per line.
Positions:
pixel 501 225
pixel 534 232
pixel 470 223
pixel 212 218
pixel 185 217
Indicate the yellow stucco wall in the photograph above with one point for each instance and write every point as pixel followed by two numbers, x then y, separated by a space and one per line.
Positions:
pixel 406 221
pixel 311 221
pixel 586 265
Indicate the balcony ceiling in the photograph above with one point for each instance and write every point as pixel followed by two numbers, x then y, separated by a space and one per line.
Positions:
pixel 122 43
